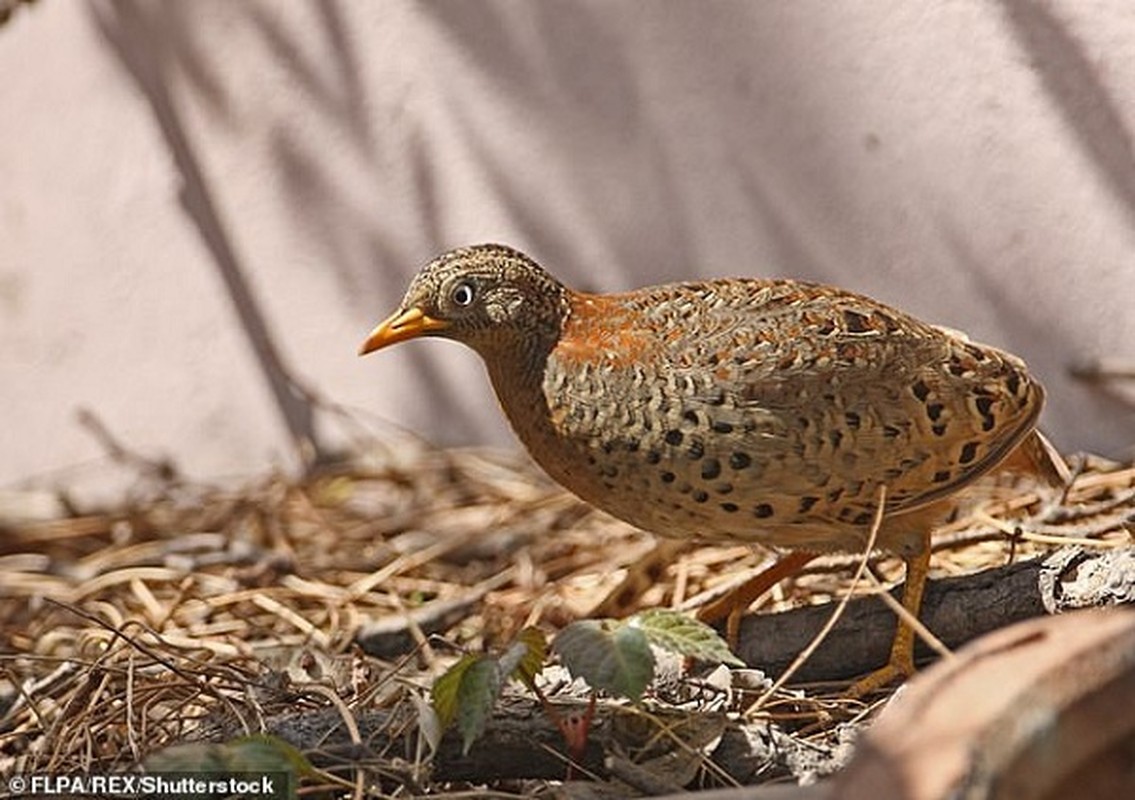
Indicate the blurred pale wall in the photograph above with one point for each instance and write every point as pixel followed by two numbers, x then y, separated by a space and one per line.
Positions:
pixel 188 188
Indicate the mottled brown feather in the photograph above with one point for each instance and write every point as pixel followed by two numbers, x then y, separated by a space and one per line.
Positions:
pixel 740 409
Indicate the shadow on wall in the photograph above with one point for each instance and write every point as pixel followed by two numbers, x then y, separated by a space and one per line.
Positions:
pixel 532 77
pixel 1072 82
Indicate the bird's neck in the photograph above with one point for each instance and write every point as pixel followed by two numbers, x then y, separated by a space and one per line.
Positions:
pixel 516 369
pixel 516 358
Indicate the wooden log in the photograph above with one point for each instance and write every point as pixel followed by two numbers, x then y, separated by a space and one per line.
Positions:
pixel 956 610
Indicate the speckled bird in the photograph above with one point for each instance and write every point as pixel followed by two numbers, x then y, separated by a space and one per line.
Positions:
pixel 737 410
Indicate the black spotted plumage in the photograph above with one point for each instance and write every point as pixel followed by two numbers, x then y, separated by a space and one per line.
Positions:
pixel 798 402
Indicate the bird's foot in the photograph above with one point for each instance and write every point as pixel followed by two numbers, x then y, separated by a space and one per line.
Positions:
pixel 896 670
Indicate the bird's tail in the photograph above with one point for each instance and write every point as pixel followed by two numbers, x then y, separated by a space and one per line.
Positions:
pixel 1036 457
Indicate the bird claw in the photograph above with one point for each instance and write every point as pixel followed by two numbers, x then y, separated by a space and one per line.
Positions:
pixel 880 678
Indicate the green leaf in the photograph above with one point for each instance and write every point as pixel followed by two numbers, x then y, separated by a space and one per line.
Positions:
pixel 444 693
pixel 261 752
pixel 467 692
pixel 684 635
pixel 478 693
pixel 525 658
pixel 610 656
pixel 210 759
pixel 247 756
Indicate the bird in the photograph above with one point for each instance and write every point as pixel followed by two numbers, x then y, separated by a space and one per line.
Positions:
pixel 775 412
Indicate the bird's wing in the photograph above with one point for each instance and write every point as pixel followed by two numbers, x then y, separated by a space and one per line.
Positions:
pixel 845 390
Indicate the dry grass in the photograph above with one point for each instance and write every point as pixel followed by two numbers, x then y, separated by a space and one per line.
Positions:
pixel 192 609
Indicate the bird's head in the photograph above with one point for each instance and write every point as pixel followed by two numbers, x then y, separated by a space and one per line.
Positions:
pixel 489 297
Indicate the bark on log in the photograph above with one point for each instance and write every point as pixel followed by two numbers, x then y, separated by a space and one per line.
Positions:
pixel 956 610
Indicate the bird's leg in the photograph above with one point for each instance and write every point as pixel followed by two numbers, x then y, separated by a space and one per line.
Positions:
pixel 734 603
pixel 901 662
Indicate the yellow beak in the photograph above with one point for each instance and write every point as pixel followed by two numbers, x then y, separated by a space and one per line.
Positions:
pixel 400 326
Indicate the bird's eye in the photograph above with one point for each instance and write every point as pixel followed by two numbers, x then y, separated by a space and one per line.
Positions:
pixel 463 293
